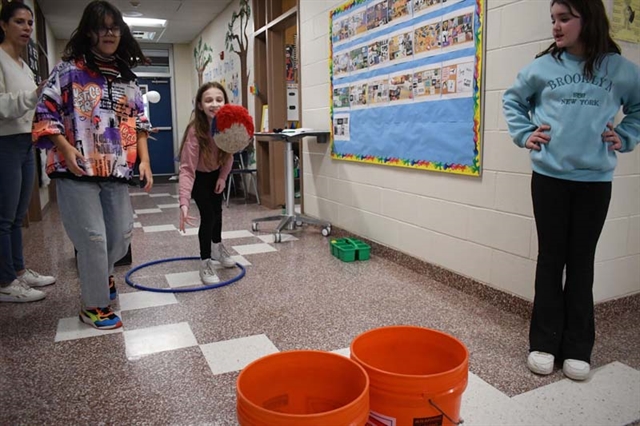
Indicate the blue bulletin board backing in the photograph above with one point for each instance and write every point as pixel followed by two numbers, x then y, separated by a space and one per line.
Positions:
pixel 406 81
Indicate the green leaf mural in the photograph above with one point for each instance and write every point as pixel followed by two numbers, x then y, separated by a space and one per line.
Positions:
pixel 202 55
pixel 239 44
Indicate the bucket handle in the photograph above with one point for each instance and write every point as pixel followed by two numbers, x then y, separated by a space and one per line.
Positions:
pixel 459 422
pixel 450 391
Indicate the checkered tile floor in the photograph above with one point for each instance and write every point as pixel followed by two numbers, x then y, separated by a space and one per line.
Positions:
pixel 615 385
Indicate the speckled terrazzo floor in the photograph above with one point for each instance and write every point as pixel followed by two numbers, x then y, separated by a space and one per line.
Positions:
pixel 295 296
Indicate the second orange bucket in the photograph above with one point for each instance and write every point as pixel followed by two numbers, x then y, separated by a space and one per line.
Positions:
pixel 417 375
pixel 303 388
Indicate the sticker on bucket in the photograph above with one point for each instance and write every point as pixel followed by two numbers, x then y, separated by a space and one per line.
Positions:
pixel 377 419
pixel 428 421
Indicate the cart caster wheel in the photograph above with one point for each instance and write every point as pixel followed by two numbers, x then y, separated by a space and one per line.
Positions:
pixel 254 226
pixel 277 238
pixel 298 223
pixel 326 231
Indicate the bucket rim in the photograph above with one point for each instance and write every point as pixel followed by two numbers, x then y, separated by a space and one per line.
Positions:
pixel 304 416
pixel 461 366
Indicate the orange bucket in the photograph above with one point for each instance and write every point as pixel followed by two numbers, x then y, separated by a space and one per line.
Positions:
pixel 417 375
pixel 303 388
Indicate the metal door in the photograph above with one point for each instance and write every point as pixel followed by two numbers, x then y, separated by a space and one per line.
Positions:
pixel 161 142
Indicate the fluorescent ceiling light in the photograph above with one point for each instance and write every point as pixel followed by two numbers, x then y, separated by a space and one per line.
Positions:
pixel 144 22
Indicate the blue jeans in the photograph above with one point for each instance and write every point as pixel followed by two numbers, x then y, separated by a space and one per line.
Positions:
pixel 17 171
pixel 99 222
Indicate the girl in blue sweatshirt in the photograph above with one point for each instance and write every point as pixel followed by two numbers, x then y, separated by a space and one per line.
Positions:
pixel 562 108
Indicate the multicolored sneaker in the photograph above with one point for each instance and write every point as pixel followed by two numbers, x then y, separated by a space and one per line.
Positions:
pixel 100 318
pixel 113 292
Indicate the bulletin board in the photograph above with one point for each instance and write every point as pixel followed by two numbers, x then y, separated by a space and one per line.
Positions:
pixel 625 20
pixel 406 81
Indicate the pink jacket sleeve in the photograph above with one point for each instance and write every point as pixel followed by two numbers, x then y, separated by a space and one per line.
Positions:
pixel 188 164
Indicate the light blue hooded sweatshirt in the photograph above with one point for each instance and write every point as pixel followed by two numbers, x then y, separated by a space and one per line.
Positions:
pixel 556 92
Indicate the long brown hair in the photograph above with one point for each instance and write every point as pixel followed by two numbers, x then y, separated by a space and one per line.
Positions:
pixel 595 35
pixel 129 51
pixel 202 126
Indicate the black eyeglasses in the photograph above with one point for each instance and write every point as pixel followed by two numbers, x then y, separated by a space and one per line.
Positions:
pixel 115 31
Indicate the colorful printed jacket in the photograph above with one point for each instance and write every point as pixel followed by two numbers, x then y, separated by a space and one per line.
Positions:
pixel 100 118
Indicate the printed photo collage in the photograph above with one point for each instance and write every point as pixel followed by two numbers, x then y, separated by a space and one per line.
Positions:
pixel 432 82
pixel 379 14
pixel 452 79
pixel 428 38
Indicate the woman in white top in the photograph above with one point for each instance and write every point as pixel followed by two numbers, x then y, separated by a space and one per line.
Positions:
pixel 18 97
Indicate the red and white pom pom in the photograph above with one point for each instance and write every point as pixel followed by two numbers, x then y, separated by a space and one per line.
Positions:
pixel 232 128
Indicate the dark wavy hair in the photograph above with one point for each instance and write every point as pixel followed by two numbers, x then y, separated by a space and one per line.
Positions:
pixel 7 12
pixel 202 126
pixel 595 35
pixel 93 17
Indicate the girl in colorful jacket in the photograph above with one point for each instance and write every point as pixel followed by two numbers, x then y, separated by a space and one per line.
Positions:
pixel 90 118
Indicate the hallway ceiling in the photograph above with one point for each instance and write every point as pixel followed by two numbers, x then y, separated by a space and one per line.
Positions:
pixel 185 18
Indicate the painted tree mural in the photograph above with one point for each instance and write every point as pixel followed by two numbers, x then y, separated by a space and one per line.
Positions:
pixel 202 55
pixel 239 44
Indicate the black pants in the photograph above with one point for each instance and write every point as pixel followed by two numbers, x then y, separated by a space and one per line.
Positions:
pixel 569 218
pixel 210 205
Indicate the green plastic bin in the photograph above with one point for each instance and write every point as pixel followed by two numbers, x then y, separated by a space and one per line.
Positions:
pixel 350 249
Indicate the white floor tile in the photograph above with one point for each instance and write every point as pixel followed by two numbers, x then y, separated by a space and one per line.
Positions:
pixel 145 299
pixel 610 397
pixel 189 232
pixel 253 249
pixel 169 206
pixel 72 329
pixel 160 194
pixel 227 235
pixel 344 352
pixel 482 404
pixel 137 225
pixel 147 211
pixel 159 228
pixel 137 194
pixel 175 196
pixel 135 216
pixel 234 355
pixel 146 341
pixel 241 260
pixel 269 238
pixel 183 279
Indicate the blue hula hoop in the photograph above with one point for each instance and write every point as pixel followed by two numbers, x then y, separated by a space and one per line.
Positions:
pixel 128 280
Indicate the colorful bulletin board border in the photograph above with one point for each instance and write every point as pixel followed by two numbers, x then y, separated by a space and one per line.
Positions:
pixel 381 112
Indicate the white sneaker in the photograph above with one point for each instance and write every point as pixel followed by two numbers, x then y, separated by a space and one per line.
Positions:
pixel 576 369
pixel 540 362
pixel 220 253
pixel 18 291
pixel 34 279
pixel 208 272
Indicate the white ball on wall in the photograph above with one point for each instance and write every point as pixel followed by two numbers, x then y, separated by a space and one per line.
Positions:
pixel 153 97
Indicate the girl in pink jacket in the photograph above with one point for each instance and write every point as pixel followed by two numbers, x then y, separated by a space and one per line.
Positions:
pixel 203 174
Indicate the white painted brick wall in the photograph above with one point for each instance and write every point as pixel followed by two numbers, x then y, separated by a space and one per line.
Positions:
pixel 482 228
